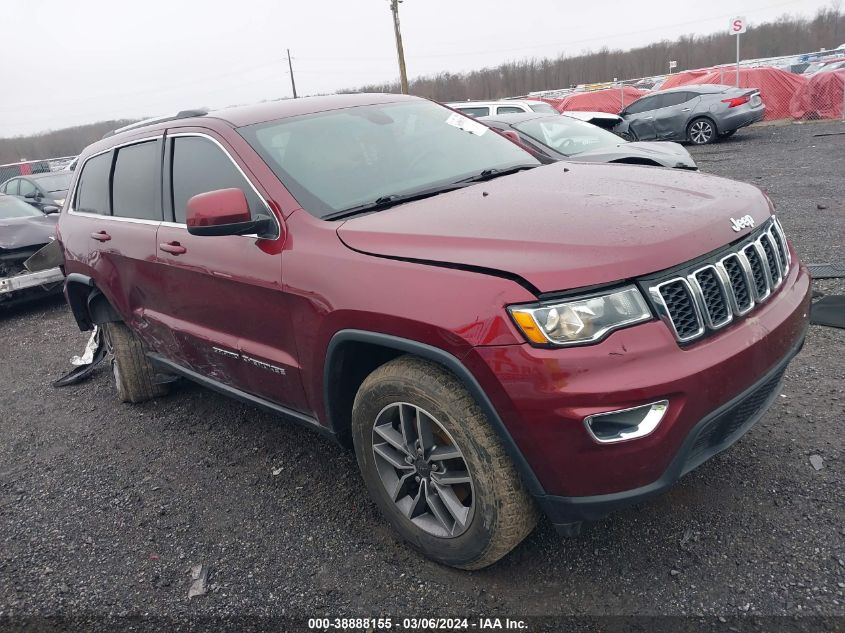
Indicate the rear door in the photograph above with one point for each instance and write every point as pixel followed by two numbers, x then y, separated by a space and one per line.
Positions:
pixel 226 301
pixel 117 204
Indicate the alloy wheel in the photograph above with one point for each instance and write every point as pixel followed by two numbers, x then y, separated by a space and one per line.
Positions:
pixel 422 470
pixel 701 132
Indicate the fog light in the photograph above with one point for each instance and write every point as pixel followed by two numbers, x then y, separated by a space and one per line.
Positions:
pixel 627 424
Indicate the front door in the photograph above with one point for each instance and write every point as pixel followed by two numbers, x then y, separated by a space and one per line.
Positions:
pixel 225 292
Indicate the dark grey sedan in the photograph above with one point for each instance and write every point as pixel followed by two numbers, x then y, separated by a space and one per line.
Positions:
pixel 554 137
pixel 697 114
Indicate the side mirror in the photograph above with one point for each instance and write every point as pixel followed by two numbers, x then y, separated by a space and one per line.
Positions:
pixel 223 212
pixel 32 195
pixel 512 136
pixel 49 208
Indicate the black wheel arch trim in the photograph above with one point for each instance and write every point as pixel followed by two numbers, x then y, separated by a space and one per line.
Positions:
pixel 450 362
pixel 88 304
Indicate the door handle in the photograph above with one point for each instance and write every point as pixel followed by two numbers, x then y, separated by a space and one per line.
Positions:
pixel 685 110
pixel 649 118
pixel 101 236
pixel 174 248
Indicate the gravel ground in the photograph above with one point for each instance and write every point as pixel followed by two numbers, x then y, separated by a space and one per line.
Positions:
pixel 104 507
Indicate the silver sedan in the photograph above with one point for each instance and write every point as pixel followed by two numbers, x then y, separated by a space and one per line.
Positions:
pixel 697 114
pixel 554 137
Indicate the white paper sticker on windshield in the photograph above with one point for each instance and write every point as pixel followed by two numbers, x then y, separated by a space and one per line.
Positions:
pixel 466 124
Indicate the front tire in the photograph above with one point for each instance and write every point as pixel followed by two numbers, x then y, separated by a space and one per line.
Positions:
pixel 701 131
pixel 435 467
pixel 134 375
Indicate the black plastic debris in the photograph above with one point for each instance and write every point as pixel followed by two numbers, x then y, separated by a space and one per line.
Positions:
pixel 826 271
pixel 829 310
pixel 84 366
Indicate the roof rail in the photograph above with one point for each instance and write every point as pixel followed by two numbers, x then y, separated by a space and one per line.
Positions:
pixel 183 114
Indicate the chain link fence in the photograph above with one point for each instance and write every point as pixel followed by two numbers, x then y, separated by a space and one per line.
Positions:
pixel 28 167
pixel 793 88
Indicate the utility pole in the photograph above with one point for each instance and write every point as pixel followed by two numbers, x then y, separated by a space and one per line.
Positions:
pixel 292 82
pixel 403 75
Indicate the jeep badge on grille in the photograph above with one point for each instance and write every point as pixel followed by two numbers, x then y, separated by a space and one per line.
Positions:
pixel 745 222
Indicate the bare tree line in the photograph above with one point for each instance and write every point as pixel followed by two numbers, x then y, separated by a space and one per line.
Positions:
pixel 67 142
pixel 785 36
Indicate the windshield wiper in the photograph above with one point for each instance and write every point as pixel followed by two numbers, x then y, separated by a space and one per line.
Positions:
pixel 385 202
pixel 489 174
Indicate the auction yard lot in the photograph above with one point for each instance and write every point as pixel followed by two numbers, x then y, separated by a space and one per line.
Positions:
pixel 104 507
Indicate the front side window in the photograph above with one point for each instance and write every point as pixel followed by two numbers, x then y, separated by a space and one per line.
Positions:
pixel 200 166
pixel 568 136
pixel 337 160
pixel 135 182
pixel 92 194
pixel 641 105
pixel 26 187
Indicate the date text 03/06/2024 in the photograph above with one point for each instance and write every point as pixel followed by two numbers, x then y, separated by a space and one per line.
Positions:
pixel 416 624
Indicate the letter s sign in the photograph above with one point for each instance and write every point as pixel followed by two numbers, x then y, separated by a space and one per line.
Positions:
pixel 737 26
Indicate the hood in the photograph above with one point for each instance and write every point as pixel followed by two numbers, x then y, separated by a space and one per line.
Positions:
pixel 667 154
pixel 566 225
pixel 26 232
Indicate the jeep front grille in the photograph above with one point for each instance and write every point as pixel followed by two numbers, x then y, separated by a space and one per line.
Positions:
pixel 711 294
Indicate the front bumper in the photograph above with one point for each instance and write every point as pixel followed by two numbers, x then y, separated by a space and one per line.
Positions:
pixel 543 396
pixel 712 435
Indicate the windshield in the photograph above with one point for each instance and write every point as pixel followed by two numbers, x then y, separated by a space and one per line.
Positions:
pixel 59 181
pixel 568 136
pixel 337 160
pixel 542 108
pixel 11 207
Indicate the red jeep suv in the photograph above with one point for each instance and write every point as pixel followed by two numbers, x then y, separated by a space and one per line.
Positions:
pixel 495 338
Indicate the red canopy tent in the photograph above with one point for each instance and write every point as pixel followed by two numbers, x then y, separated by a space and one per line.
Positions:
pixel 684 78
pixel 820 98
pixel 607 100
pixel 776 86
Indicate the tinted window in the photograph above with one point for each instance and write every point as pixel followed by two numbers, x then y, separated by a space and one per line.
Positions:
pixel 509 110
pixel 200 166
pixel 485 111
pixel 11 187
pixel 641 105
pixel 26 187
pixel 135 182
pixel 673 99
pixel 92 195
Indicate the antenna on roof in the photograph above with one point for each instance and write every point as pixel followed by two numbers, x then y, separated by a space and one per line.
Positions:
pixel 182 114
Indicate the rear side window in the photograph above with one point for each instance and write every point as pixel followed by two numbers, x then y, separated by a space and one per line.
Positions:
pixel 92 195
pixel 200 166
pixel 509 110
pixel 485 111
pixel 137 169
pixel 11 187
pixel 673 99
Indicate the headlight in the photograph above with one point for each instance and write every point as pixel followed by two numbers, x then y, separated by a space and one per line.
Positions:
pixel 579 321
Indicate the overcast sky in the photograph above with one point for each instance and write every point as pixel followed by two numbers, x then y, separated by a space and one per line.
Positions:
pixel 67 63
